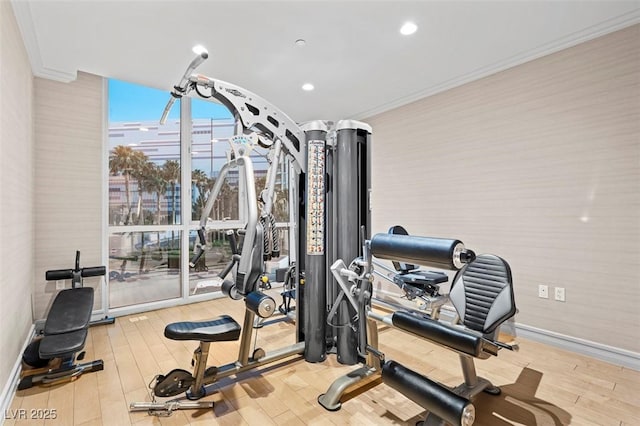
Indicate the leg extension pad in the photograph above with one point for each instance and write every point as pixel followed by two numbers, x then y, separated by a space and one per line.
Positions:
pixel 431 395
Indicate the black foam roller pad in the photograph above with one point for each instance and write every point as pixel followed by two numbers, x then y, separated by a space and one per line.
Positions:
pixel 428 394
pixel 435 252
pixel 93 271
pixel 451 337
pixel 59 274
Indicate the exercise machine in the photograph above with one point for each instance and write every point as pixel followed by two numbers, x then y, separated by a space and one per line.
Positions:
pixel 330 188
pixel 247 264
pixel 65 331
pixel 315 152
pixel 482 295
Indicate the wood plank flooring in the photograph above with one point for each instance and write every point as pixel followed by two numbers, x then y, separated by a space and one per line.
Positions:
pixel 541 385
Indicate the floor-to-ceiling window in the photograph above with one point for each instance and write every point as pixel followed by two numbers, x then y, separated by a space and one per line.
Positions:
pixel 155 207
pixel 144 197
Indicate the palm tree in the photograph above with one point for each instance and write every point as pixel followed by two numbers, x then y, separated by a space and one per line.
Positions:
pixel 121 162
pixel 225 200
pixel 171 174
pixel 201 182
pixel 140 166
pixel 152 182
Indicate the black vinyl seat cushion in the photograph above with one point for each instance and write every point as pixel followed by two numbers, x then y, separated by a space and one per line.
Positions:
pixel 423 279
pixel 70 311
pixel 221 329
pixel 62 345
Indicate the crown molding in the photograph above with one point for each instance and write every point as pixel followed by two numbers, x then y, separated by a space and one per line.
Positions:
pixel 590 33
pixel 22 12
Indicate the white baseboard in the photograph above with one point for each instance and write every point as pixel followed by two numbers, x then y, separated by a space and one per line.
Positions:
pixel 599 351
pixel 9 390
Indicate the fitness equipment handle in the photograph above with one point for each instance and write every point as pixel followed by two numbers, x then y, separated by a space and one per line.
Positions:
pixel 181 88
pixel 233 242
pixel 93 271
pixel 67 274
pixel 198 250
pixel 234 259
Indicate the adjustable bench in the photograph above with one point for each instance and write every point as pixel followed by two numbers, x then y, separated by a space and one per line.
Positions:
pixel 66 327
pixel 65 332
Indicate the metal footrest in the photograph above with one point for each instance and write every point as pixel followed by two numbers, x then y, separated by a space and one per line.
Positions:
pixel 164 409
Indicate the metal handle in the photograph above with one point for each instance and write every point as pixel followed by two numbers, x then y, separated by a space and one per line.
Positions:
pixel 181 88
pixel 198 252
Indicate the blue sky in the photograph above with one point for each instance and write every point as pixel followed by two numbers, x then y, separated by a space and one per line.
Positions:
pixel 131 102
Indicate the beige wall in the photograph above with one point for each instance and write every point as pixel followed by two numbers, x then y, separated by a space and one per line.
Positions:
pixel 68 180
pixel 16 192
pixel 50 185
pixel 539 164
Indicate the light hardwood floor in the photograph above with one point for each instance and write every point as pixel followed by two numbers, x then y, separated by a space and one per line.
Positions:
pixel 541 385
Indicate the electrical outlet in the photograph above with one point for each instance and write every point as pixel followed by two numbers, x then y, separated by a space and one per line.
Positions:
pixel 560 294
pixel 543 291
pixel 60 285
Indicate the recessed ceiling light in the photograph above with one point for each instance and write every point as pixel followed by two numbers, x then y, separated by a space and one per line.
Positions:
pixel 144 129
pixel 408 28
pixel 133 144
pixel 301 42
pixel 307 87
pixel 199 49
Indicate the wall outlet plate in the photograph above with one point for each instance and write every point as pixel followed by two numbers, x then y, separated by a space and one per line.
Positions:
pixel 60 285
pixel 559 294
pixel 543 291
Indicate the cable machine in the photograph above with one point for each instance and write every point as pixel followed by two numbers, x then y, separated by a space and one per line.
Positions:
pixel 331 222
pixel 331 218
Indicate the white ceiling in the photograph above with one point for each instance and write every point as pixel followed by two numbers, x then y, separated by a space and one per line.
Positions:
pixel 355 56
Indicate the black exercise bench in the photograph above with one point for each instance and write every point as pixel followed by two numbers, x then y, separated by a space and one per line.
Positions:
pixel 65 331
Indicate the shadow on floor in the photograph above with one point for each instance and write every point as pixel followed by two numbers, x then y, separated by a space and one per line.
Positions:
pixel 517 404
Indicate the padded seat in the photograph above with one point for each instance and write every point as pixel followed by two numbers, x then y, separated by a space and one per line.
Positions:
pixel 411 275
pixel 422 279
pixel 70 311
pixel 221 329
pixel 62 345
